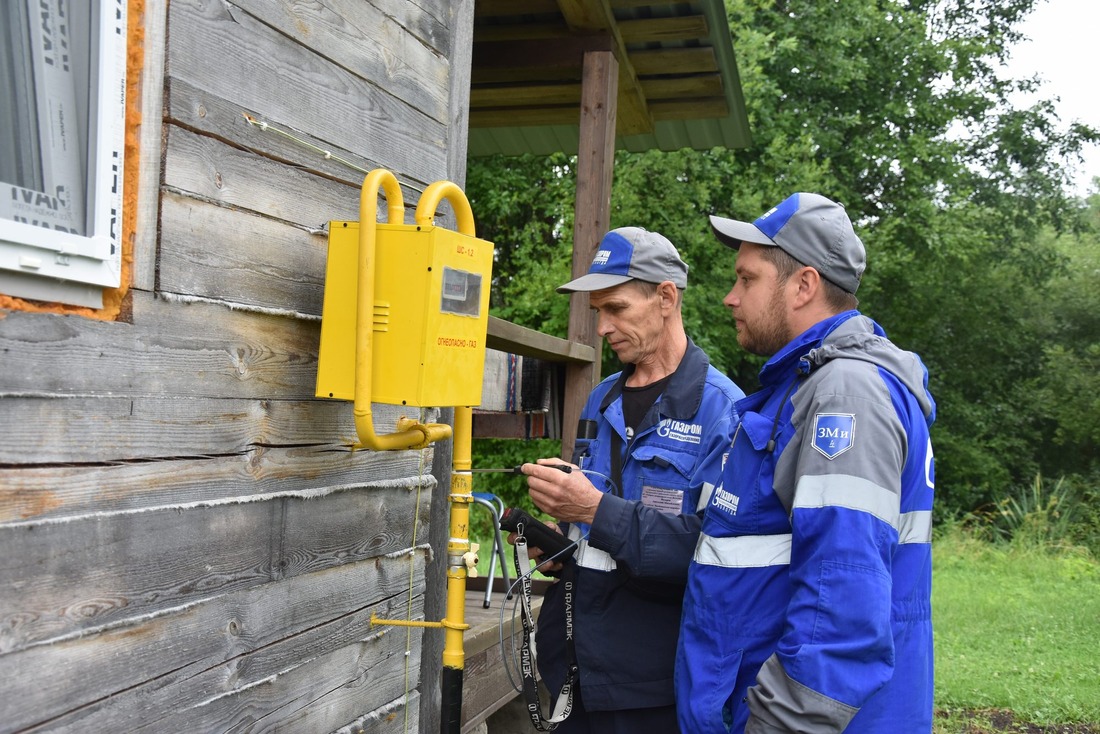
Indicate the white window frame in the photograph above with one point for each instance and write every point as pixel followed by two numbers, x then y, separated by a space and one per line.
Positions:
pixel 54 247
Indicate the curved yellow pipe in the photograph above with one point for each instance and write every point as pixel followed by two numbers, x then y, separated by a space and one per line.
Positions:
pixel 429 200
pixel 461 478
pixel 411 434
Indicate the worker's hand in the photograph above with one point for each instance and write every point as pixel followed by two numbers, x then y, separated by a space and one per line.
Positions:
pixel 567 497
pixel 535 553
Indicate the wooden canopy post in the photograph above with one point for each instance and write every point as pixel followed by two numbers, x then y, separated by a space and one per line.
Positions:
pixel 592 217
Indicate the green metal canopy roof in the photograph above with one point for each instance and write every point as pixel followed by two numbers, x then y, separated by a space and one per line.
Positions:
pixel 678 85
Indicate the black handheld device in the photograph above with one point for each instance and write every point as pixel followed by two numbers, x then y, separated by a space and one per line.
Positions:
pixel 550 542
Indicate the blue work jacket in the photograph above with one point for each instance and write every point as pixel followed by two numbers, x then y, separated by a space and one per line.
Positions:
pixel 631 563
pixel 808 600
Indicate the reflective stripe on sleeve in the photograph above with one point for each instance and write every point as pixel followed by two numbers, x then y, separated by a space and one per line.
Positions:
pixel 915 527
pixel 744 551
pixel 588 557
pixel 850 492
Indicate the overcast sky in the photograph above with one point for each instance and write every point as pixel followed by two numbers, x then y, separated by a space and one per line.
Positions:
pixel 1063 50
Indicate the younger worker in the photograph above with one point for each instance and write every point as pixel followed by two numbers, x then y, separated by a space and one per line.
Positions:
pixel 808 601
pixel 646 438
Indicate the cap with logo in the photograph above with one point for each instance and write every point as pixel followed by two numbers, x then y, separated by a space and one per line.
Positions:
pixel 631 253
pixel 810 228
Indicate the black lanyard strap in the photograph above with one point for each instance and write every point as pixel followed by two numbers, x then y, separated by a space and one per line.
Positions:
pixel 563 705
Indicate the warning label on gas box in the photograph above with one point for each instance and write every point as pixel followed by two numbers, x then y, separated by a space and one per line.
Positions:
pixel 456 342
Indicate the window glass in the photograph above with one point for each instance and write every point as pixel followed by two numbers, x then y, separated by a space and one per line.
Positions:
pixel 461 292
pixel 62 116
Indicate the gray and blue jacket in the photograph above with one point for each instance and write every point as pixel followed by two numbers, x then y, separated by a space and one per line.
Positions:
pixel 631 563
pixel 808 599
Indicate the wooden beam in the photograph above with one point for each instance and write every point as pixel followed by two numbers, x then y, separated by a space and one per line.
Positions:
pixel 532 58
pixel 700 60
pixel 708 85
pixel 680 109
pixel 527 95
pixel 523 117
pixel 509 425
pixel 596 16
pixel 595 166
pixel 521 32
pixel 688 89
pixel 504 336
pixel 647 30
pixel 504 8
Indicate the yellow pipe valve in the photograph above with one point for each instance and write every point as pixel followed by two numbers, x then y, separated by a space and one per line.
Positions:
pixel 470 559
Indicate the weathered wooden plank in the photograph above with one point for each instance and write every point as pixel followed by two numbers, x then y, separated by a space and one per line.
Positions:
pixel 40 431
pixel 211 170
pixel 461 50
pixel 370 43
pixel 489 676
pixel 216 118
pixel 219 47
pixel 58 492
pixel 143 672
pixel 80 574
pixel 171 348
pixel 432 24
pixel 397 717
pixel 207 113
pixel 213 252
pixel 356 678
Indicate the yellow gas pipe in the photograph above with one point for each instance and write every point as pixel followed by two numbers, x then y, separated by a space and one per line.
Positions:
pixel 454 623
pixel 411 434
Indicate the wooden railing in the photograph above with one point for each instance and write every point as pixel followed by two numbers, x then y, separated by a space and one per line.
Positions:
pixel 504 336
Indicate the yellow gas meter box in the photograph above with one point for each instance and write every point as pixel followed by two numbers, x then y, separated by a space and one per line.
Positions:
pixel 431 312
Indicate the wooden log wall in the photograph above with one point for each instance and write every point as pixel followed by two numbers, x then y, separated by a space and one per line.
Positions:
pixel 186 541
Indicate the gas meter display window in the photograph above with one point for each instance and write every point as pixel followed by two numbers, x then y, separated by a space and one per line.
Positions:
pixel 461 292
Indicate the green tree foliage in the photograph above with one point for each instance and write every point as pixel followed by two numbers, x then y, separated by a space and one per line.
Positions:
pixel 524 205
pixel 1067 387
pixel 898 111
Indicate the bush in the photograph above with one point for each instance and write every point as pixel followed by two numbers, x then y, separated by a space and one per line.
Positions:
pixel 1041 516
pixel 1037 517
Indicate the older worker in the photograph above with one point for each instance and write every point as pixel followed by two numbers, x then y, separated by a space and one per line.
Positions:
pixel 647 438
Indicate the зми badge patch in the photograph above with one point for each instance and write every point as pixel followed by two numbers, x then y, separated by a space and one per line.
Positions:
pixel 834 433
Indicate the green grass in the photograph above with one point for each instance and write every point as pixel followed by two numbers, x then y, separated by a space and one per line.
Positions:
pixel 1017 627
pixel 1017 630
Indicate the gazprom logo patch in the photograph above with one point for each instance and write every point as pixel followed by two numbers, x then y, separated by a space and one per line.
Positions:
pixel 680 431
pixel 602 257
pixel 726 500
pixel 834 433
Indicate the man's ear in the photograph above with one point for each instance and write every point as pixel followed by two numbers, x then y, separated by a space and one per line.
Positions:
pixel 808 284
pixel 668 293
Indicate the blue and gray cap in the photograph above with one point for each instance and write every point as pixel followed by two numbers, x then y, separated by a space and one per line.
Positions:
pixel 810 228
pixel 631 253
